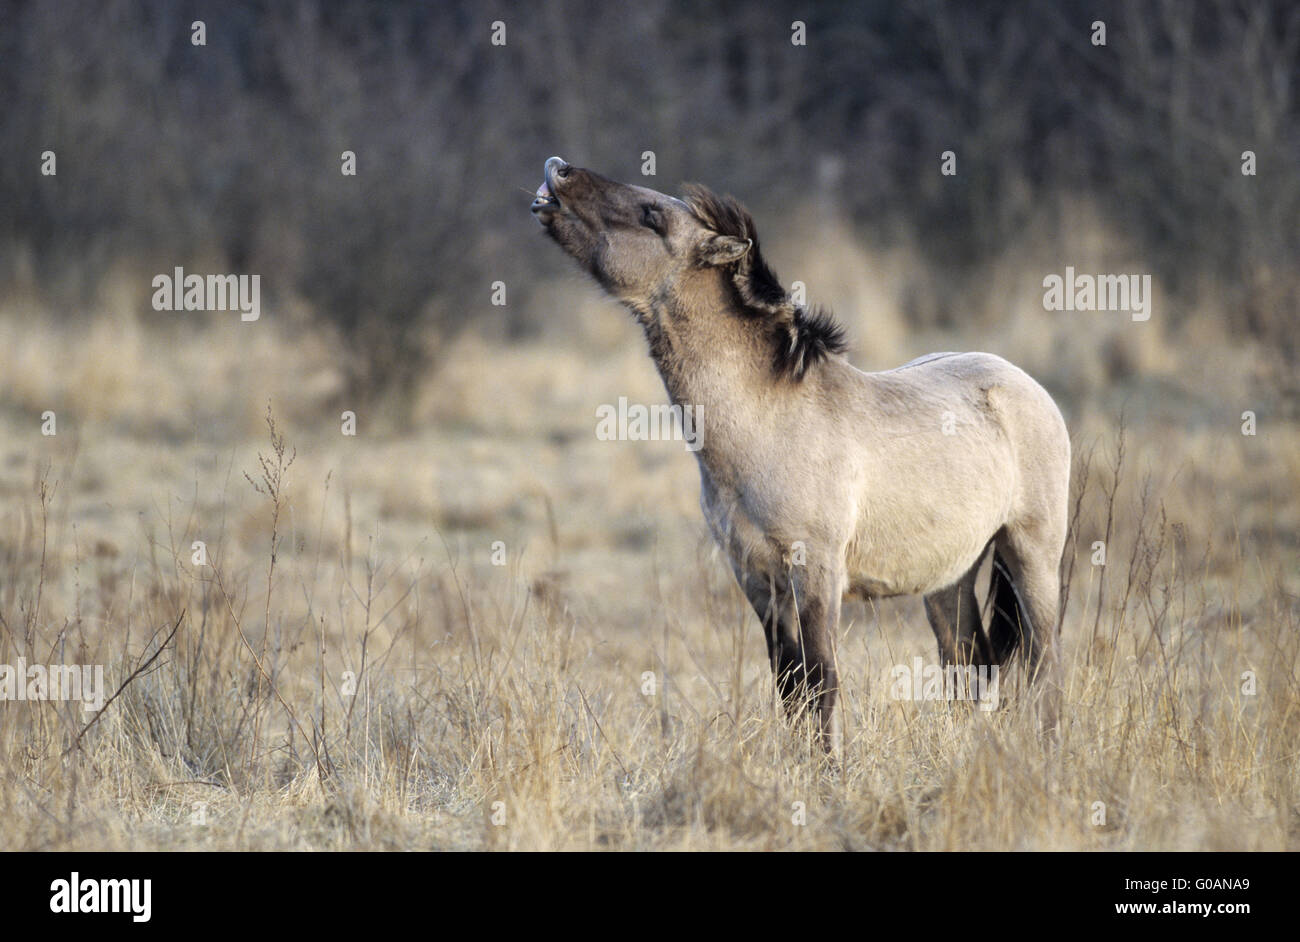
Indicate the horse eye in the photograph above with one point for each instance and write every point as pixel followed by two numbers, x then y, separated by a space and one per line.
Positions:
pixel 652 218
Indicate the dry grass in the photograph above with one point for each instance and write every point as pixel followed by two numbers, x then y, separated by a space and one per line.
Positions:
pixel 510 706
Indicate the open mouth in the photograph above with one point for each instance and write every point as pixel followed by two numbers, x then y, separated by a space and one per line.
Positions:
pixel 545 202
pixel 544 199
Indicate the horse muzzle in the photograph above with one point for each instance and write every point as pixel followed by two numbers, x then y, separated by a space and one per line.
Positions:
pixel 545 202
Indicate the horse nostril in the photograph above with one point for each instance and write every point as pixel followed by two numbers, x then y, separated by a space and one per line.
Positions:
pixel 557 168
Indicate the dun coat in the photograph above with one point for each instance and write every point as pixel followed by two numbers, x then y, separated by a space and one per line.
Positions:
pixel 818 479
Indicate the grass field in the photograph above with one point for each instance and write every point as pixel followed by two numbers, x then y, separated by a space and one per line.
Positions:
pixel 476 626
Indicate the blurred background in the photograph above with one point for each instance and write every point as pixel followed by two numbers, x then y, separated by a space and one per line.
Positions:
pixel 491 579
pixel 226 158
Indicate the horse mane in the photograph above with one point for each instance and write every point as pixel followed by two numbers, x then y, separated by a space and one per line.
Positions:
pixel 800 336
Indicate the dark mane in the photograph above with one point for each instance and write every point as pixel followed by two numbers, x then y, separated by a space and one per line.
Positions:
pixel 800 336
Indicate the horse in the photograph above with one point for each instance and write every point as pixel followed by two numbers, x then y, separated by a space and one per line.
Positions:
pixel 817 479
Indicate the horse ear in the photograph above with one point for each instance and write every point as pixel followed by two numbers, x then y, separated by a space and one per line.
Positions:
pixel 722 249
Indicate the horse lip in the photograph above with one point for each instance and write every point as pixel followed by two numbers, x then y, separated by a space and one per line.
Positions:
pixel 545 198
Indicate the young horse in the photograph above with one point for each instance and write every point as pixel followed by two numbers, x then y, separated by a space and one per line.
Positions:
pixel 818 479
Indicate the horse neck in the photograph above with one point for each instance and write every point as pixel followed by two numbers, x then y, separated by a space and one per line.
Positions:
pixel 709 356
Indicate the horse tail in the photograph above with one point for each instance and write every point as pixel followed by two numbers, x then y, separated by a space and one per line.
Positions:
pixel 1008 622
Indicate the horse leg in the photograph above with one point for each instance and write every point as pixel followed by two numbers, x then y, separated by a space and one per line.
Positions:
pixel 778 616
pixel 1032 563
pixel 819 618
pixel 955 619
pixel 799 618
pixel 763 597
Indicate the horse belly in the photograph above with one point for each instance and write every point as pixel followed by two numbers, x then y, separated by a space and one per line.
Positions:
pixel 909 547
pixel 916 570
